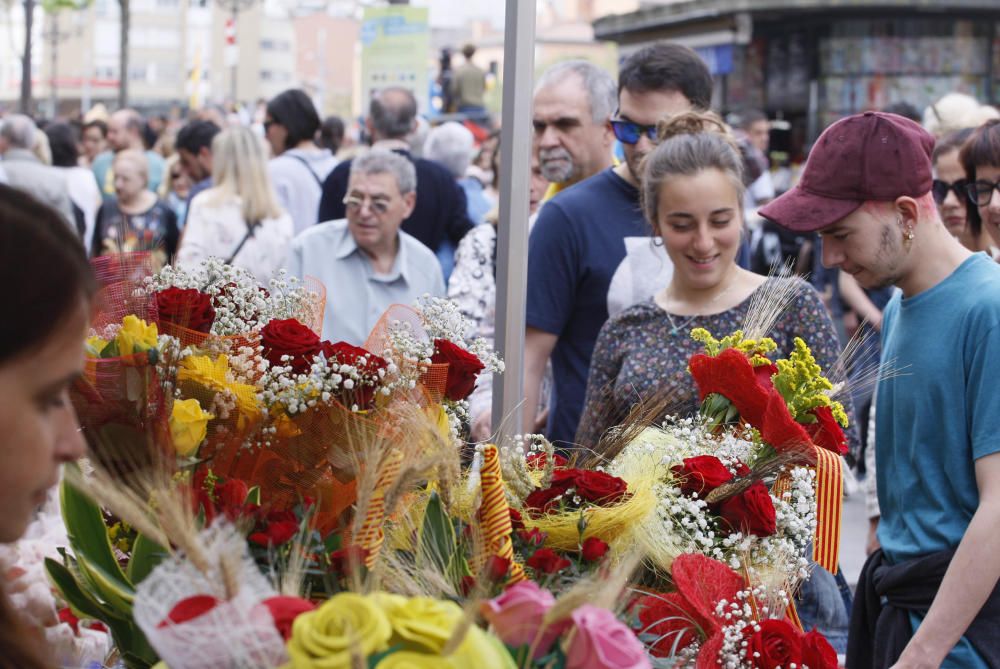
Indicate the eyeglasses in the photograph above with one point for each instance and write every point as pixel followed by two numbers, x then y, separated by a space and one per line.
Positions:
pixel 940 189
pixel 379 205
pixel 628 132
pixel 981 192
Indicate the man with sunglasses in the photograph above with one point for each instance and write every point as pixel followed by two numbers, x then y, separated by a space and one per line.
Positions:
pixel 591 252
pixel 928 597
pixel 365 261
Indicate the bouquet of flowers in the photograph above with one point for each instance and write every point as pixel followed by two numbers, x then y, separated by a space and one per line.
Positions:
pixel 714 618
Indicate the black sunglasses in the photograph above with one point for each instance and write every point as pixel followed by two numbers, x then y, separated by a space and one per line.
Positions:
pixel 628 132
pixel 981 192
pixel 940 189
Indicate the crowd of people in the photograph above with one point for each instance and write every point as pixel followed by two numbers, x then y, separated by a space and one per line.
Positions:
pixel 650 216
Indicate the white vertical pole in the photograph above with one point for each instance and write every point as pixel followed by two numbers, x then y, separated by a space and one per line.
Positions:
pixel 512 232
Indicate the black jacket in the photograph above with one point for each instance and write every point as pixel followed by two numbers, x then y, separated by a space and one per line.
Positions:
pixel 880 631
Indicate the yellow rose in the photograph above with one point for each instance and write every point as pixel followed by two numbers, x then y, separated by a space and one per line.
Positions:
pixel 406 659
pixel 135 336
pixel 94 346
pixel 326 637
pixel 210 376
pixel 188 426
pixel 478 650
pixel 422 623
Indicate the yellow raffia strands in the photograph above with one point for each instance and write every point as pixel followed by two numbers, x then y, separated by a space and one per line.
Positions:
pixel 643 470
pixel 620 525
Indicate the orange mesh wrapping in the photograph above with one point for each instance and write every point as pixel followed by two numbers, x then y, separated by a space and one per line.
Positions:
pixel 433 377
pixel 312 315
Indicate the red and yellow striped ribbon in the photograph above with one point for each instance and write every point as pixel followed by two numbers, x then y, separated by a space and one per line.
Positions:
pixel 792 614
pixel 494 514
pixel 829 504
pixel 370 535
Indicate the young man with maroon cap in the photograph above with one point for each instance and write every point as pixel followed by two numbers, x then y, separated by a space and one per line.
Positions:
pixel 928 597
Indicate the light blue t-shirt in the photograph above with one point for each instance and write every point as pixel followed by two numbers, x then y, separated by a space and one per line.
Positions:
pixel 938 415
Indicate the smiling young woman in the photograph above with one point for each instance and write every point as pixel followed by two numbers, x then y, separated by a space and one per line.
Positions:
pixel 46 312
pixel 692 189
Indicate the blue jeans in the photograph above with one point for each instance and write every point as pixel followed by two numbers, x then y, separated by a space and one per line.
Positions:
pixel 824 602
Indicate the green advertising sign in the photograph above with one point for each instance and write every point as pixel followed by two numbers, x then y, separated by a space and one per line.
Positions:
pixel 395 46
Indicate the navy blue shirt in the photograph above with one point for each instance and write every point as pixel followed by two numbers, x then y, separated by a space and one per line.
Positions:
pixel 590 255
pixel 440 210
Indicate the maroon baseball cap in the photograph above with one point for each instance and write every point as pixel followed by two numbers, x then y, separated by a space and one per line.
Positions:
pixel 869 156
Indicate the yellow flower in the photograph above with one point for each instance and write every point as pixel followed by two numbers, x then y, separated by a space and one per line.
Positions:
pixel 95 345
pixel 346 623
pixel 135 336
pixel 188 426
pixel 420 623
pixel 213 376
pixel 755 349
pixel 801 382
pixel 421 627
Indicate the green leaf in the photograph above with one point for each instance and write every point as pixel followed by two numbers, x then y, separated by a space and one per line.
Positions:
pixel 80 601
pixel 146 554
pixel 117 594
pixel 88 535
pixel 253 496
pixel 437 537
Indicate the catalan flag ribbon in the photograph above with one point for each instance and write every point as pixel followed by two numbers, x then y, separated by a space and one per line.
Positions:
pixel 494 514
pixel 829 504
pixel 370 535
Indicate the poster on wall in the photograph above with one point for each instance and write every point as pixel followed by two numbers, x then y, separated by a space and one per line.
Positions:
pixel 395 44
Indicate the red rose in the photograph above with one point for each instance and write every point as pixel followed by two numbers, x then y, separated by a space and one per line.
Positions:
pixel 186 308
pixel 189 608
pixel 466 585
pixel 532 537
pixel 777 644
pixel 276 534
pixel 285 610
pixel 368 365
pixel 463 369
pixel 817 653
pixel 347 559
pixel 701 474
pixel 496 567
pixel 547 561
pixel 516 521
pixel 292 338
pixel 593 549
pixel 750 512
pixel 599 487
pixel 232 494
pixel 541 501
pixel 826 431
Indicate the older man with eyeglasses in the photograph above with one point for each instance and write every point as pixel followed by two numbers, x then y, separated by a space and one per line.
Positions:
pixel 365 262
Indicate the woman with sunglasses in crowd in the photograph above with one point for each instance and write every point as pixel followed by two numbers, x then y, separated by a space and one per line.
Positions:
pixel 951 193
pixel 980 158
pixel 46 313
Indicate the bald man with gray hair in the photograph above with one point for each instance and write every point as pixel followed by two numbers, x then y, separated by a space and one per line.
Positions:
pixel 26 172
pixel 125 128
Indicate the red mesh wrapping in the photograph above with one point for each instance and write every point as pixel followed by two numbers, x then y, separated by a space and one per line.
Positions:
pixel 116 268
pixel 123 413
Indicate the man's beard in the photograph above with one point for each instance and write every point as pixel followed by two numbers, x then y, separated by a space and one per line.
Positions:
pixel 561 168
pixel 634 162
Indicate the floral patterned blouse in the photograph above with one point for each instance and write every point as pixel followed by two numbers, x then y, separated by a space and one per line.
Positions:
pixel 473 287
pixel 641 354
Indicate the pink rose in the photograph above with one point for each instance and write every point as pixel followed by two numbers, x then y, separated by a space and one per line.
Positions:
pixel 603 642
pixel 516 616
